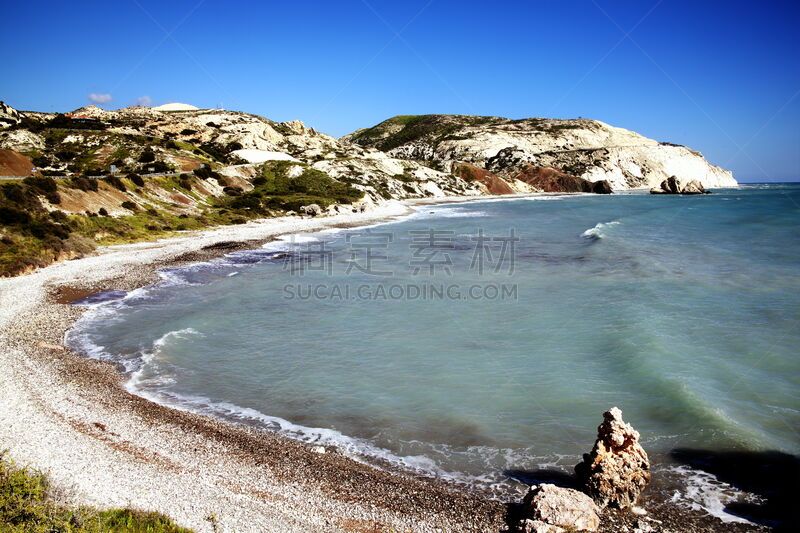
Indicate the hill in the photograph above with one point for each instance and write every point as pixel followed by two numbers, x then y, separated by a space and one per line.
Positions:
pixel 94 176
pixel 511 149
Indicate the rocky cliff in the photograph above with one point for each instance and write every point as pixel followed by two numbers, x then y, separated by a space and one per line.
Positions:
pixel 587 149
pixel 90 140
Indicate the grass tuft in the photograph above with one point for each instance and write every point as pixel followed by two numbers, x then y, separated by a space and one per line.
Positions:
pixel 26 506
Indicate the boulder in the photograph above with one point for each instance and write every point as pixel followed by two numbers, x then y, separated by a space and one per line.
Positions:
pixel 311 210
pixel 693 187
pixel 601 187
pixel 673 185
pixel 553 509
pixel 617 470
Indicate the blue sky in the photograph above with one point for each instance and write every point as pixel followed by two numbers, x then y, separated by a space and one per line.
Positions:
pixel 721 77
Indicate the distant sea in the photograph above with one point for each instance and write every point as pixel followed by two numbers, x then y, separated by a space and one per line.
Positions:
pixel 479 340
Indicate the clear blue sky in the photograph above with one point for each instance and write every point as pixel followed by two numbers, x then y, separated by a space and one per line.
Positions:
pixel 720 76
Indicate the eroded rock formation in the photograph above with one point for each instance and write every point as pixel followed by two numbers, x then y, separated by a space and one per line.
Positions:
pixel 673 185
pixel 617 470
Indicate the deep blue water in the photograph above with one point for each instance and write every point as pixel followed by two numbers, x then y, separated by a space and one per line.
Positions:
pixel 682 311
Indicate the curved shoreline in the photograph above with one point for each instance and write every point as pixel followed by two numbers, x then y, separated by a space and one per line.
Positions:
pixel 73 417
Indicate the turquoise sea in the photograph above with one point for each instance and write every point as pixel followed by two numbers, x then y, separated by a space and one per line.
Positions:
pixel 477 340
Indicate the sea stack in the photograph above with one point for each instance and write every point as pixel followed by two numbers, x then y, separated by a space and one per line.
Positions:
pixel 617 470
pixel 673 185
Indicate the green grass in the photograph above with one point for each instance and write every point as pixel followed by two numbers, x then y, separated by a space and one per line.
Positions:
pixel 435 128
pixel 274 189
pixel 26 506
pixel 30 236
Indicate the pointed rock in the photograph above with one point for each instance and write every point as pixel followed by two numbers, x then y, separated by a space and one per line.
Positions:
pixel 617 470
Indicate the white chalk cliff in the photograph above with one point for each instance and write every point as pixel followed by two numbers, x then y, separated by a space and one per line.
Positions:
pixel 588 149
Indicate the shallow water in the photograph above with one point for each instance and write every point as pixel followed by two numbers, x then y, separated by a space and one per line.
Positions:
pixel 682 311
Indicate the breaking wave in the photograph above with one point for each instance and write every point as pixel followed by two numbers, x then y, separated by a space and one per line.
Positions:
pixel 596 233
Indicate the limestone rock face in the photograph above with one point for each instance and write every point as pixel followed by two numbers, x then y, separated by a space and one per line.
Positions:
pixel 552 509
pixel 617 470
pixel 8 115
pixel 587 149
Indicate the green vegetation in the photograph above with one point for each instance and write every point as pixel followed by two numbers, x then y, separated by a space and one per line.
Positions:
pixel 26 506
pixel 435 128
pixel 30 236
pixel 274 189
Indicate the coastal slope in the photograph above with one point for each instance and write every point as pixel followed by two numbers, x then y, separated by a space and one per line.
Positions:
pixel 584 148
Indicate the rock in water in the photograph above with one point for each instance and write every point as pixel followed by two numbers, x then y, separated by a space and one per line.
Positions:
pixel 617 470
pixel 601 187
pixel 694 187
pixel 673 185
pixel 552 509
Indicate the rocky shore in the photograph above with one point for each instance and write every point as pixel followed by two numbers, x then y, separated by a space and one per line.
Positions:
pixel 72 418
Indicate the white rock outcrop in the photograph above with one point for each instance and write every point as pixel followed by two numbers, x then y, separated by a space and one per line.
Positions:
pixel 8 116
pixel 589 149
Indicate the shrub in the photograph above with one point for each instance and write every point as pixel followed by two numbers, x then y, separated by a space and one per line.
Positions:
pixel 114 181
pixel 233 191
pixel 41 185
pixel 12 215
pixel 65 155
pixel 127 204
pixel 205 172
pixel 53 197
pixel 147 156
pixel 188 132
pixel 64 122
pixel 44 229
pixel 247 201
pixel 83 183
pixel 171 145
pixel 136 179
pixel 215 151
pixel 59 216
pixel 102 212
pixel 260 180
pixel 41 161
